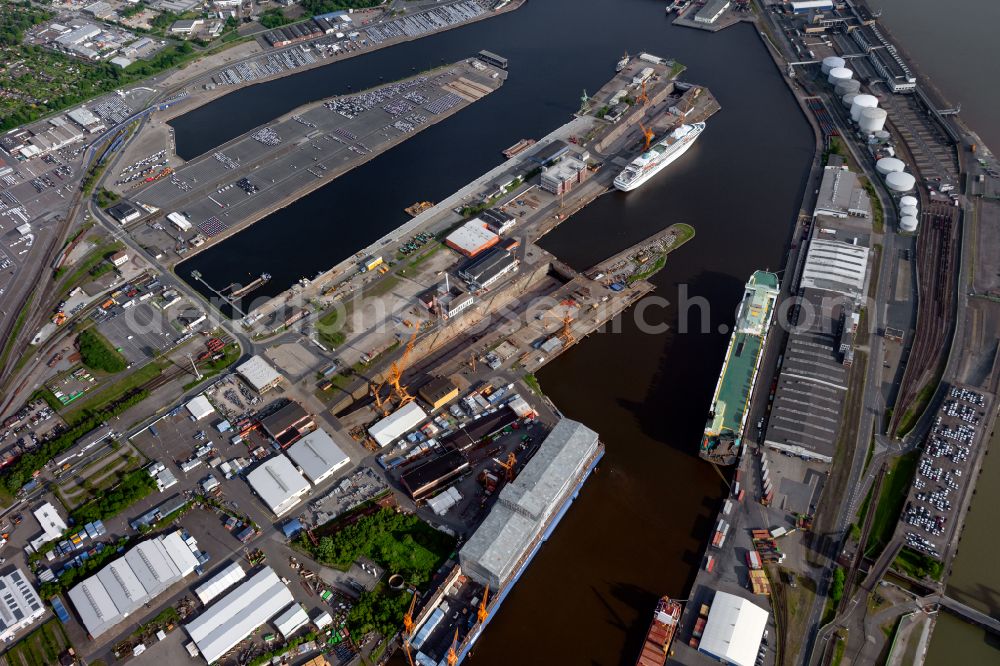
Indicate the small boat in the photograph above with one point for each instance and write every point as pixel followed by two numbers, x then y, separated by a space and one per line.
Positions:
pixel 518 148
pixel 419 207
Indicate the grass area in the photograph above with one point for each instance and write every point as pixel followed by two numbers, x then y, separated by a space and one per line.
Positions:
pixel 421 258
pixel 84 267
pixel 98 354
pixel 532 383
pixel 105 198
pixel 890 501
pixel 41 647
pixel 651 270
pixel 839 648
pixel 213 368
pixel 114 391
pixel 329 332
pixel 918 565
pixel 909 418
pixel 878 215
pixel 18 325
pixel 381 287
pixel 131 487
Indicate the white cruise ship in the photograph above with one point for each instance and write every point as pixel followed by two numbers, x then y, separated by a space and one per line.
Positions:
pixel 660 154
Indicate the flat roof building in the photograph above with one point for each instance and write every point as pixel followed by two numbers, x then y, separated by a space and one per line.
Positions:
pixel 291 620
pixel 124 212
pixel 564 175
pixel 278 484
pixel 288 424
pixel 236 615
pixel 711 11
pixel 497 221
pixel 734 630
pixel 438 392
pixel 836 266
pixel 489 267
pixel 841 194
pixel 199 407
pixel 400 422
pixel 318 456
pixel 472 238
pixel 52 524
pixel 259 374
pixel 434 473
pixel 20 605
pixel 230 575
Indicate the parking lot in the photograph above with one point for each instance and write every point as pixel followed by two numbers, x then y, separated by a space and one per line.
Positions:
pixel 138 332
pixel 944 470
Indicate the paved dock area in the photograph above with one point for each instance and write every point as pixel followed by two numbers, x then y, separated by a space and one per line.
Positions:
pixel 267 168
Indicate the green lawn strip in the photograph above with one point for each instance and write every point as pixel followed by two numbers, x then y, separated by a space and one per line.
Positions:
pixel 110 393
pixel 918 565
pixel 18 325
pixel 917 407
pixel 532 383
pixel 895 488
pixel 82 269
pixel 218 366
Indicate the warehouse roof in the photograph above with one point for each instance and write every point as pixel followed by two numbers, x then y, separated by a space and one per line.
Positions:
pixel 236 615
pixel 19 604
pixel 437 389
pixel 278 483
pixel 472 238
pixel 259 373
pixel 219 583
pixel 288 416
pixel 401 421
pixel 291 620
pixel 734 629
pixel 841 194
pixel 525 505
pixel 833 265
pixel 485 266
pixel 200 407
pixel 317 455
pixel 107 597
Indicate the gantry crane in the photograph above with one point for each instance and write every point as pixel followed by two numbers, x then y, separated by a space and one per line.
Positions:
pixel 566 333
pixel 482 614
pixel 508 466
pixel 408 628
pixel 452 655
pixel 643 98
pixel 381 404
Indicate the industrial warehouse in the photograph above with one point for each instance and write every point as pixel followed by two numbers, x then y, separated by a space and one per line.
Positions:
pixel 128 583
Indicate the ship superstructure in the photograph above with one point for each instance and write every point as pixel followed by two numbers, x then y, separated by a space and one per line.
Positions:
pixel 658 156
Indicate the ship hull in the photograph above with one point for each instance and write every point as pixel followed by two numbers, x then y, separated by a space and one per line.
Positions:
pixel 638 181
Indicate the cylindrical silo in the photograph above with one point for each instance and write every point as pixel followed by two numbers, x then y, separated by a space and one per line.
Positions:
pixel 908 200
pixel 848 99
pixel 832 62
pixel 882 136
pixel 839 74
pixel 860 103
pixel 900 181
pixel 872 120
pixel 848 86
pixel 908 223
pixel 908 211
pixel 888 165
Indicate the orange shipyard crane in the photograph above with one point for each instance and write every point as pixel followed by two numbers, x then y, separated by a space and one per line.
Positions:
pixel 396 373
pixel 508 466
pixel 648 133
pixel 381 404
pixel 452 655
pixel 644 98
pixel 408 628
pixel 482 613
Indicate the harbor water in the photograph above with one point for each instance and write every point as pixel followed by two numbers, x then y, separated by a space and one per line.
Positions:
pixel 639 527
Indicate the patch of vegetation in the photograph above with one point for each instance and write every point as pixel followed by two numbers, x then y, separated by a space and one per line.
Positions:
pixel 316 7
pixel 378 610
pixel 120 388
pixel 98 354
pixel 88 263
pixel 45 394
pixel 839 648
pixel 890 501
pixel 918 565
pixel 835 147
pixel 41 647
pixel 274 18
pixel 132 487
pixel 18 325
pixel 214 367
pixel 399 542
pixel 878 214
pixel 328 330
pixel 268 657
pixel 651 270
pixel 837 585
pixel 382 287
pixel 532 383
pixel 106 198
pixel 917 407
pixel 21 471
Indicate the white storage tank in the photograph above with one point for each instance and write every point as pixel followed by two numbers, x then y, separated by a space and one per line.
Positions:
pixel 882 136
pixel 832 62
pixel 900 181
pixel 860 103
pixel 888 165
pixel 848 86
pixel 908 211
pixel 872 120
pixel 838 74
pixel 908 223
pixel 848 99
pixel 908 200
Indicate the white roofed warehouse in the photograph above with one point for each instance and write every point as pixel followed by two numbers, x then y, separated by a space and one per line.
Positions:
pixel 278 484
pixel 259 374
pixel 230 575
pixel 734 629
pixel 397 424
pixel 19 604
pixel 318 456
pixel 199 407
pixel 127 583
pixel 236 615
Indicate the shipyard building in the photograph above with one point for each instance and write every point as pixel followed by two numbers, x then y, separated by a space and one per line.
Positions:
pixel 528 507
pixel 21 605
